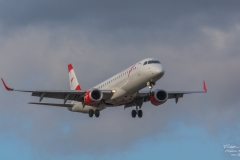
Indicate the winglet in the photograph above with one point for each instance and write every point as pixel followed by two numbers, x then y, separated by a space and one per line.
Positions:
pixel 204 86
pixel 7 88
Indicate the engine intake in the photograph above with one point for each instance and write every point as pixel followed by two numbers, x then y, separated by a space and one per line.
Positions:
pixel 93 97
pixel 158 97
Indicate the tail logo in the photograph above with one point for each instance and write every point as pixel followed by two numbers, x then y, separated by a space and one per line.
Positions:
pixel 72 79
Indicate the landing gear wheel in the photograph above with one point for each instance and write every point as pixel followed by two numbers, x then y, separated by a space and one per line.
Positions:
pixel 97 113
pixel 140 113
pixel 134 113
pixel 91 112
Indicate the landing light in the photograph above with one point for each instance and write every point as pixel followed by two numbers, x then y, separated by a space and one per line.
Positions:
pixel 113 91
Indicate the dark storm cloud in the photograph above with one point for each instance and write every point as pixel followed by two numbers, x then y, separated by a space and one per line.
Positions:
pixel 111 15
pixel 194 40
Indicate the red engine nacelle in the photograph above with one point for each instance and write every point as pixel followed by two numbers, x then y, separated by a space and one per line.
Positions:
pixel 93 97
pixel 158 97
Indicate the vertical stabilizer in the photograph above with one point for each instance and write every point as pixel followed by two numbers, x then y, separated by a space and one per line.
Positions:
pixel 74 85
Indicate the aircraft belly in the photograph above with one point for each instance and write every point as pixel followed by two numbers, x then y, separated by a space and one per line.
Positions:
pixel 78 107
pixel 127 98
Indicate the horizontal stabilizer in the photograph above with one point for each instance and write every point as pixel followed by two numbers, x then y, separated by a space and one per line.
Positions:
pixel 52 104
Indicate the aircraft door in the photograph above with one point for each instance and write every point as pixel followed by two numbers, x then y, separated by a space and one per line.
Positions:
pixel 134 81
pixel 139 65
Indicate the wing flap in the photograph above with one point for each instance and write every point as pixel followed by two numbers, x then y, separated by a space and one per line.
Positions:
pixel 53 104
pixel 59 94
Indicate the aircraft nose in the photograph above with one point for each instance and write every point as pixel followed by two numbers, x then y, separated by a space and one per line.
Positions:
pixel 159 70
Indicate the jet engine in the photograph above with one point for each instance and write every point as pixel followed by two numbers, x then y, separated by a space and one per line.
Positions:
pixel 158 97
pixel 93 97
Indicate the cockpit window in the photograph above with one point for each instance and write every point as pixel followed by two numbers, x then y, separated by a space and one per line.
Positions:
pixel 153 61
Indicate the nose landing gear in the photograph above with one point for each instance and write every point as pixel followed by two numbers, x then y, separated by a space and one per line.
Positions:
pixel 150 85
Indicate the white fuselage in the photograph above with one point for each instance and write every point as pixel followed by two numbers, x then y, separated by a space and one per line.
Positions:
pixel 126 84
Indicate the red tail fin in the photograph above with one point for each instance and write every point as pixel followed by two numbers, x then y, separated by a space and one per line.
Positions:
pixel 73 79
pixel 204 86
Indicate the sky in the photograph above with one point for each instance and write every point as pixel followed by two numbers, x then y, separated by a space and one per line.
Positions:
pixel 194 40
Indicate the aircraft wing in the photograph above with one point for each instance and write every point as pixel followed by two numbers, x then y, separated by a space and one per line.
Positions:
pixel 171 94
pixel 179 94
pixel 75 95
pixel 174 94
pixel 143 96
pixel 69 105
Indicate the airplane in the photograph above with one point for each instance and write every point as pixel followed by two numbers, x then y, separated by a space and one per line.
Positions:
pixel 124 88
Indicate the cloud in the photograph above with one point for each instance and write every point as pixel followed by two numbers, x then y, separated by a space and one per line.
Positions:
pixel 114 15
pixel 101 39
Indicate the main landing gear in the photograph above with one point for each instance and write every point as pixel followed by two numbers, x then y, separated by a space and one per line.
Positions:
pixel 138 102
pixel 137 112
pixel 91 112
